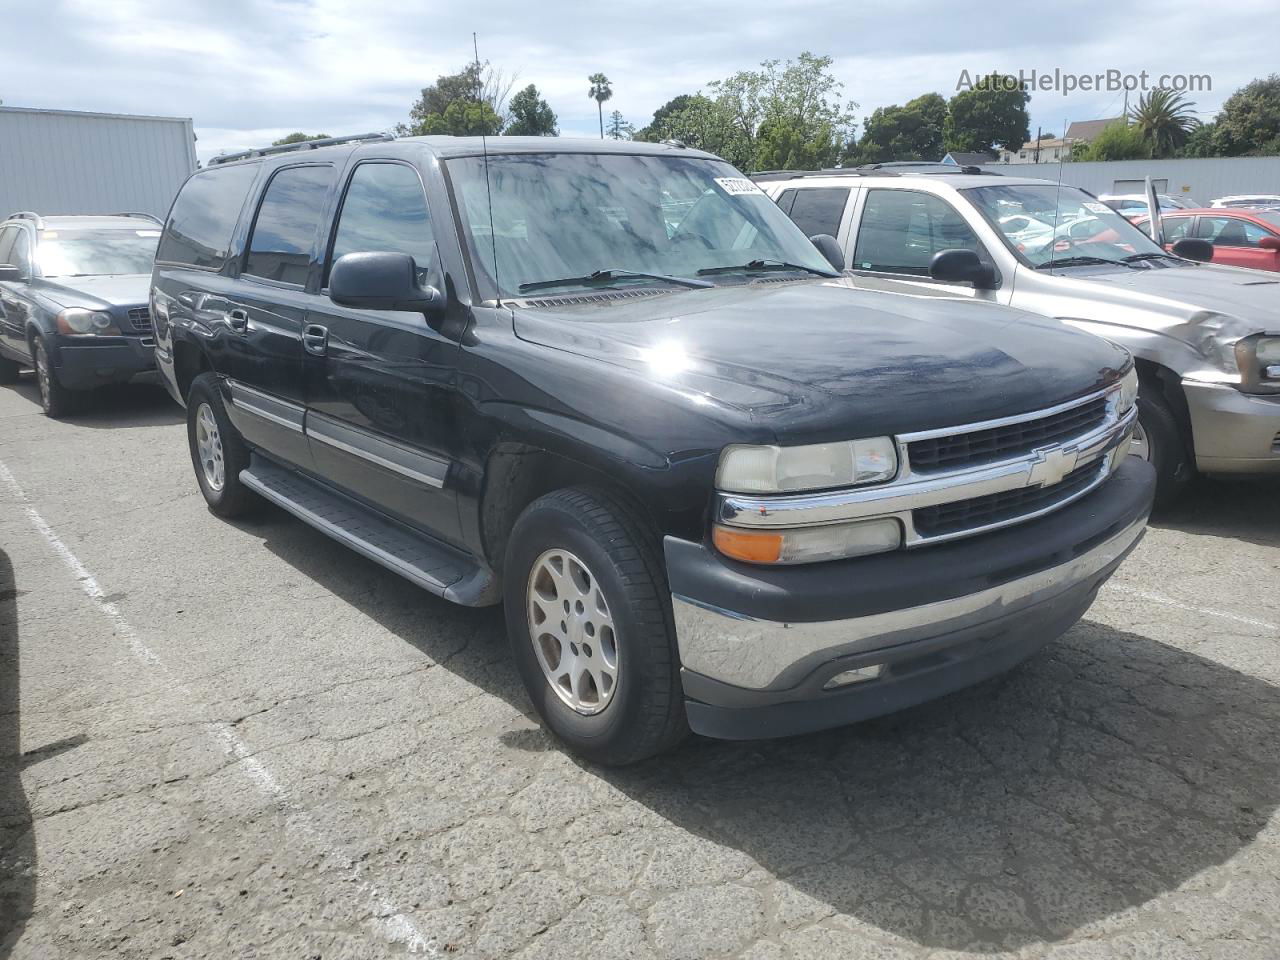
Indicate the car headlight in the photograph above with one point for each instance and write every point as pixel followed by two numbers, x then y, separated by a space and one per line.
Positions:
pixel 770 469
pixel 77 320
pixel 1128 392
pixel 1259 360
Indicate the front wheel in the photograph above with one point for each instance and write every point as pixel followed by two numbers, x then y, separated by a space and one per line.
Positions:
pixel 1157 438
pixel 55 399
pixel 589 618
pixel 217 451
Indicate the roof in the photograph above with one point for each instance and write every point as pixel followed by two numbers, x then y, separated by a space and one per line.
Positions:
pixel 957 179
pixel 968 159
pixel 87 113
pixel 1087 130
pixel 123 221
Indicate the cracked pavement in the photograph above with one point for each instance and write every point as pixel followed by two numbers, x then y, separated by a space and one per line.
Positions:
pixel 320 760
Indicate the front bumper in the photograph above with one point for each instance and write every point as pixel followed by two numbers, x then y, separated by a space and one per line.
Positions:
pixel 758 645
pixel 82 366
pixel 1233 432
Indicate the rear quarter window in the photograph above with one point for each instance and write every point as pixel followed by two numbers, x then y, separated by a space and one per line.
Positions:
pixel 204 217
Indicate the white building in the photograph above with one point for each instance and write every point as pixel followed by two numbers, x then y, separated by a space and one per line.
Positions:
pixel 1054 149
pixel 66 161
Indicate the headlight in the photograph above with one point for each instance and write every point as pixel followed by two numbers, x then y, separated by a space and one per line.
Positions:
pixel 833 541
pixel 1128 391
pixel 767 469
pixel 1259 360
pixel 77 320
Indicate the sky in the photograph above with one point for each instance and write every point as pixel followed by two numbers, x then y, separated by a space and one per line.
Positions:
pixel 250 71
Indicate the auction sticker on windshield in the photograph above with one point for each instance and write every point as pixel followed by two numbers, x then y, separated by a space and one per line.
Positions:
pixel 738 186
pixel 1093 206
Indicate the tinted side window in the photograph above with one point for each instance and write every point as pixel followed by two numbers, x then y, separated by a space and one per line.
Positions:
pixel 901 231
pixel 205 215
pixel 786 198
pixel 819 209
pixel 7 236
pixel 20 255
pixel 1230 231
pixel 284 231
pixel 385 210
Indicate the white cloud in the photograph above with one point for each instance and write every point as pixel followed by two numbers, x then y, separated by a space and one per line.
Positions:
pixel 248 71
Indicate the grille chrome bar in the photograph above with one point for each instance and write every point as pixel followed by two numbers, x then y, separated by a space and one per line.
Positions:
pixel 1041 469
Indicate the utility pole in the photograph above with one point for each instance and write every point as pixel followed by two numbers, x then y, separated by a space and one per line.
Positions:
pixel 1037 154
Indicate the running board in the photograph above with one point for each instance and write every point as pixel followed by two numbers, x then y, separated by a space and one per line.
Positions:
pixel 417 557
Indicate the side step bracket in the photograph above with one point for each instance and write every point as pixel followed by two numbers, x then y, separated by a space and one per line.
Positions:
pixel 430 564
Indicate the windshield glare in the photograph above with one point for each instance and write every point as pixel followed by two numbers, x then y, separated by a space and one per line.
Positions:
pixel 568 215
pixel 66 253
pixel 1044 223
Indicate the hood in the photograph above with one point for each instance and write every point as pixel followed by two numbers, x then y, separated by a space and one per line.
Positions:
pixel 98 293
pixel 826 358
pixel 1250 295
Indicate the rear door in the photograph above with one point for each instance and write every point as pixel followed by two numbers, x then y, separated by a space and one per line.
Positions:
pixel 259 342
pixel 817 210
pixel 380 384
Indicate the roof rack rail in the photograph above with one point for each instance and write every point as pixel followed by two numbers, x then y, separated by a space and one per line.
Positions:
pixel 141 216
pixel 300 145
pixel 895 168
pixel 28 215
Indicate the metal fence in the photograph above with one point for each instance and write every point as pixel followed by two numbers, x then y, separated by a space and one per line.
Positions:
pixel 1200 180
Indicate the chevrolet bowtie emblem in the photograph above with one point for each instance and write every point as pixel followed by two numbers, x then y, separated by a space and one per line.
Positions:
pixel 1051 465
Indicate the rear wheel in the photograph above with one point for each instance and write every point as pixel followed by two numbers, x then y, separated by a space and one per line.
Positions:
pixel 1157 438
pixel 589 618
pixel 55 399
pixel 217 451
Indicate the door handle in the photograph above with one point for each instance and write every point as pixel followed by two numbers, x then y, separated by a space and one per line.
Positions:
pixel 315 339
pixel 238 319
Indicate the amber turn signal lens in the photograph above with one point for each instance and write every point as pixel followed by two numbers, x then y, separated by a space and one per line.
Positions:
pixel 748 545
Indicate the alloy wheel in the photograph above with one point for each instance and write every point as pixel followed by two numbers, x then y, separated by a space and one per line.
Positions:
pixel 209 448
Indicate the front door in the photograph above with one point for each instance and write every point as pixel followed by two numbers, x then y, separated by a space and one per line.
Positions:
pixel 258 339
pixel 1236 242
pixel 15 250
pixel 380 384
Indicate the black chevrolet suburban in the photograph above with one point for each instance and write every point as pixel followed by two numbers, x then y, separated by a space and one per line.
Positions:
pixel 613 387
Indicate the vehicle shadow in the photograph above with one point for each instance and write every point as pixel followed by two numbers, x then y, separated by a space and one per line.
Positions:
pixel 1108 770
pixel 1243 509
pixel 119 405
pixel 17 839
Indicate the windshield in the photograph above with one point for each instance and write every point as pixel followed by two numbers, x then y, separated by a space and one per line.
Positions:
pixel 566 216
pixel 1044 224
pixel 87 253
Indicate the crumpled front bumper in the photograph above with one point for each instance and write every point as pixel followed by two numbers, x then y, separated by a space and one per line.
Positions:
pixel 1233 432
pixel 760 646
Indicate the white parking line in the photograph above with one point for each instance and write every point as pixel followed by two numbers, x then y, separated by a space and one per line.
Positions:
pixel 391 923
pixel 1189 607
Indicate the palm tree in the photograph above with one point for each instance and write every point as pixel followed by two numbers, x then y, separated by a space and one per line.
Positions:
pixel 1165 119
pixel 600 92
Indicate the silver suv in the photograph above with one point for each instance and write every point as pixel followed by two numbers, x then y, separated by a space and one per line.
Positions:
pixel 1206 337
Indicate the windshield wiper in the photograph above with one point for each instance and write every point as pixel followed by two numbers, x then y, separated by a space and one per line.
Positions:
pixel 1077 261
pixel 1134 258
pixel 765 264
pixel 609 275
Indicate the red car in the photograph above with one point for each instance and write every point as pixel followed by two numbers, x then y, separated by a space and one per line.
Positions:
pixel 1240 238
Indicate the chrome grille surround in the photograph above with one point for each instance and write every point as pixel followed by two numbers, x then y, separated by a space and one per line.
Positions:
pixel 918 489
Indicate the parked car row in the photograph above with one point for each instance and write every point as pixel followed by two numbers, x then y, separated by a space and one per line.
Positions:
pixel 731 465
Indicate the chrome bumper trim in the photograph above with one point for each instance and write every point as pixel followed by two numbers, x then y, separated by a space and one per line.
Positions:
pixel 911 491
pixel 759 654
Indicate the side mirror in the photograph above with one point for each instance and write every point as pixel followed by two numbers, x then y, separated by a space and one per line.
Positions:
pixel 12 274
pixel 1194 248
pixel 961 266
pixel 380 281
pixel 1266 243
pixel 830 250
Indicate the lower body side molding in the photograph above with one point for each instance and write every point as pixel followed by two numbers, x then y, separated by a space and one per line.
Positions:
pixel 417 557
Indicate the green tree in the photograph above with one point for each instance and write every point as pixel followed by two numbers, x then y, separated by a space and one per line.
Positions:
pixel 1202 142
pixel 913 131
pixel 655 131
pixel 462 118
pixel 990 115
pixel 703 123
pixel 1119 141
pixel 1165 119
pixel 1249 121
pixel 600 91
pixel 299 137
pixel 530 115
pixel 479 85
pixel 619 129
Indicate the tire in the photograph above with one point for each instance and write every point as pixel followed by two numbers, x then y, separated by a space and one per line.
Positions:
pixel 55 399
pixel 1166 448
pixel 9 370
pixel 212 437
pixel 640 713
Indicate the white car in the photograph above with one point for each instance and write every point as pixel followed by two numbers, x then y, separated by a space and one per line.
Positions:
pixel 1247 201
pixel 1135 204
pixel 1206 337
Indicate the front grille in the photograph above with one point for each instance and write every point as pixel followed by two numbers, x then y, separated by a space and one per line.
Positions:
pixel 997 507
pixel 998 443
pixel 140 318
